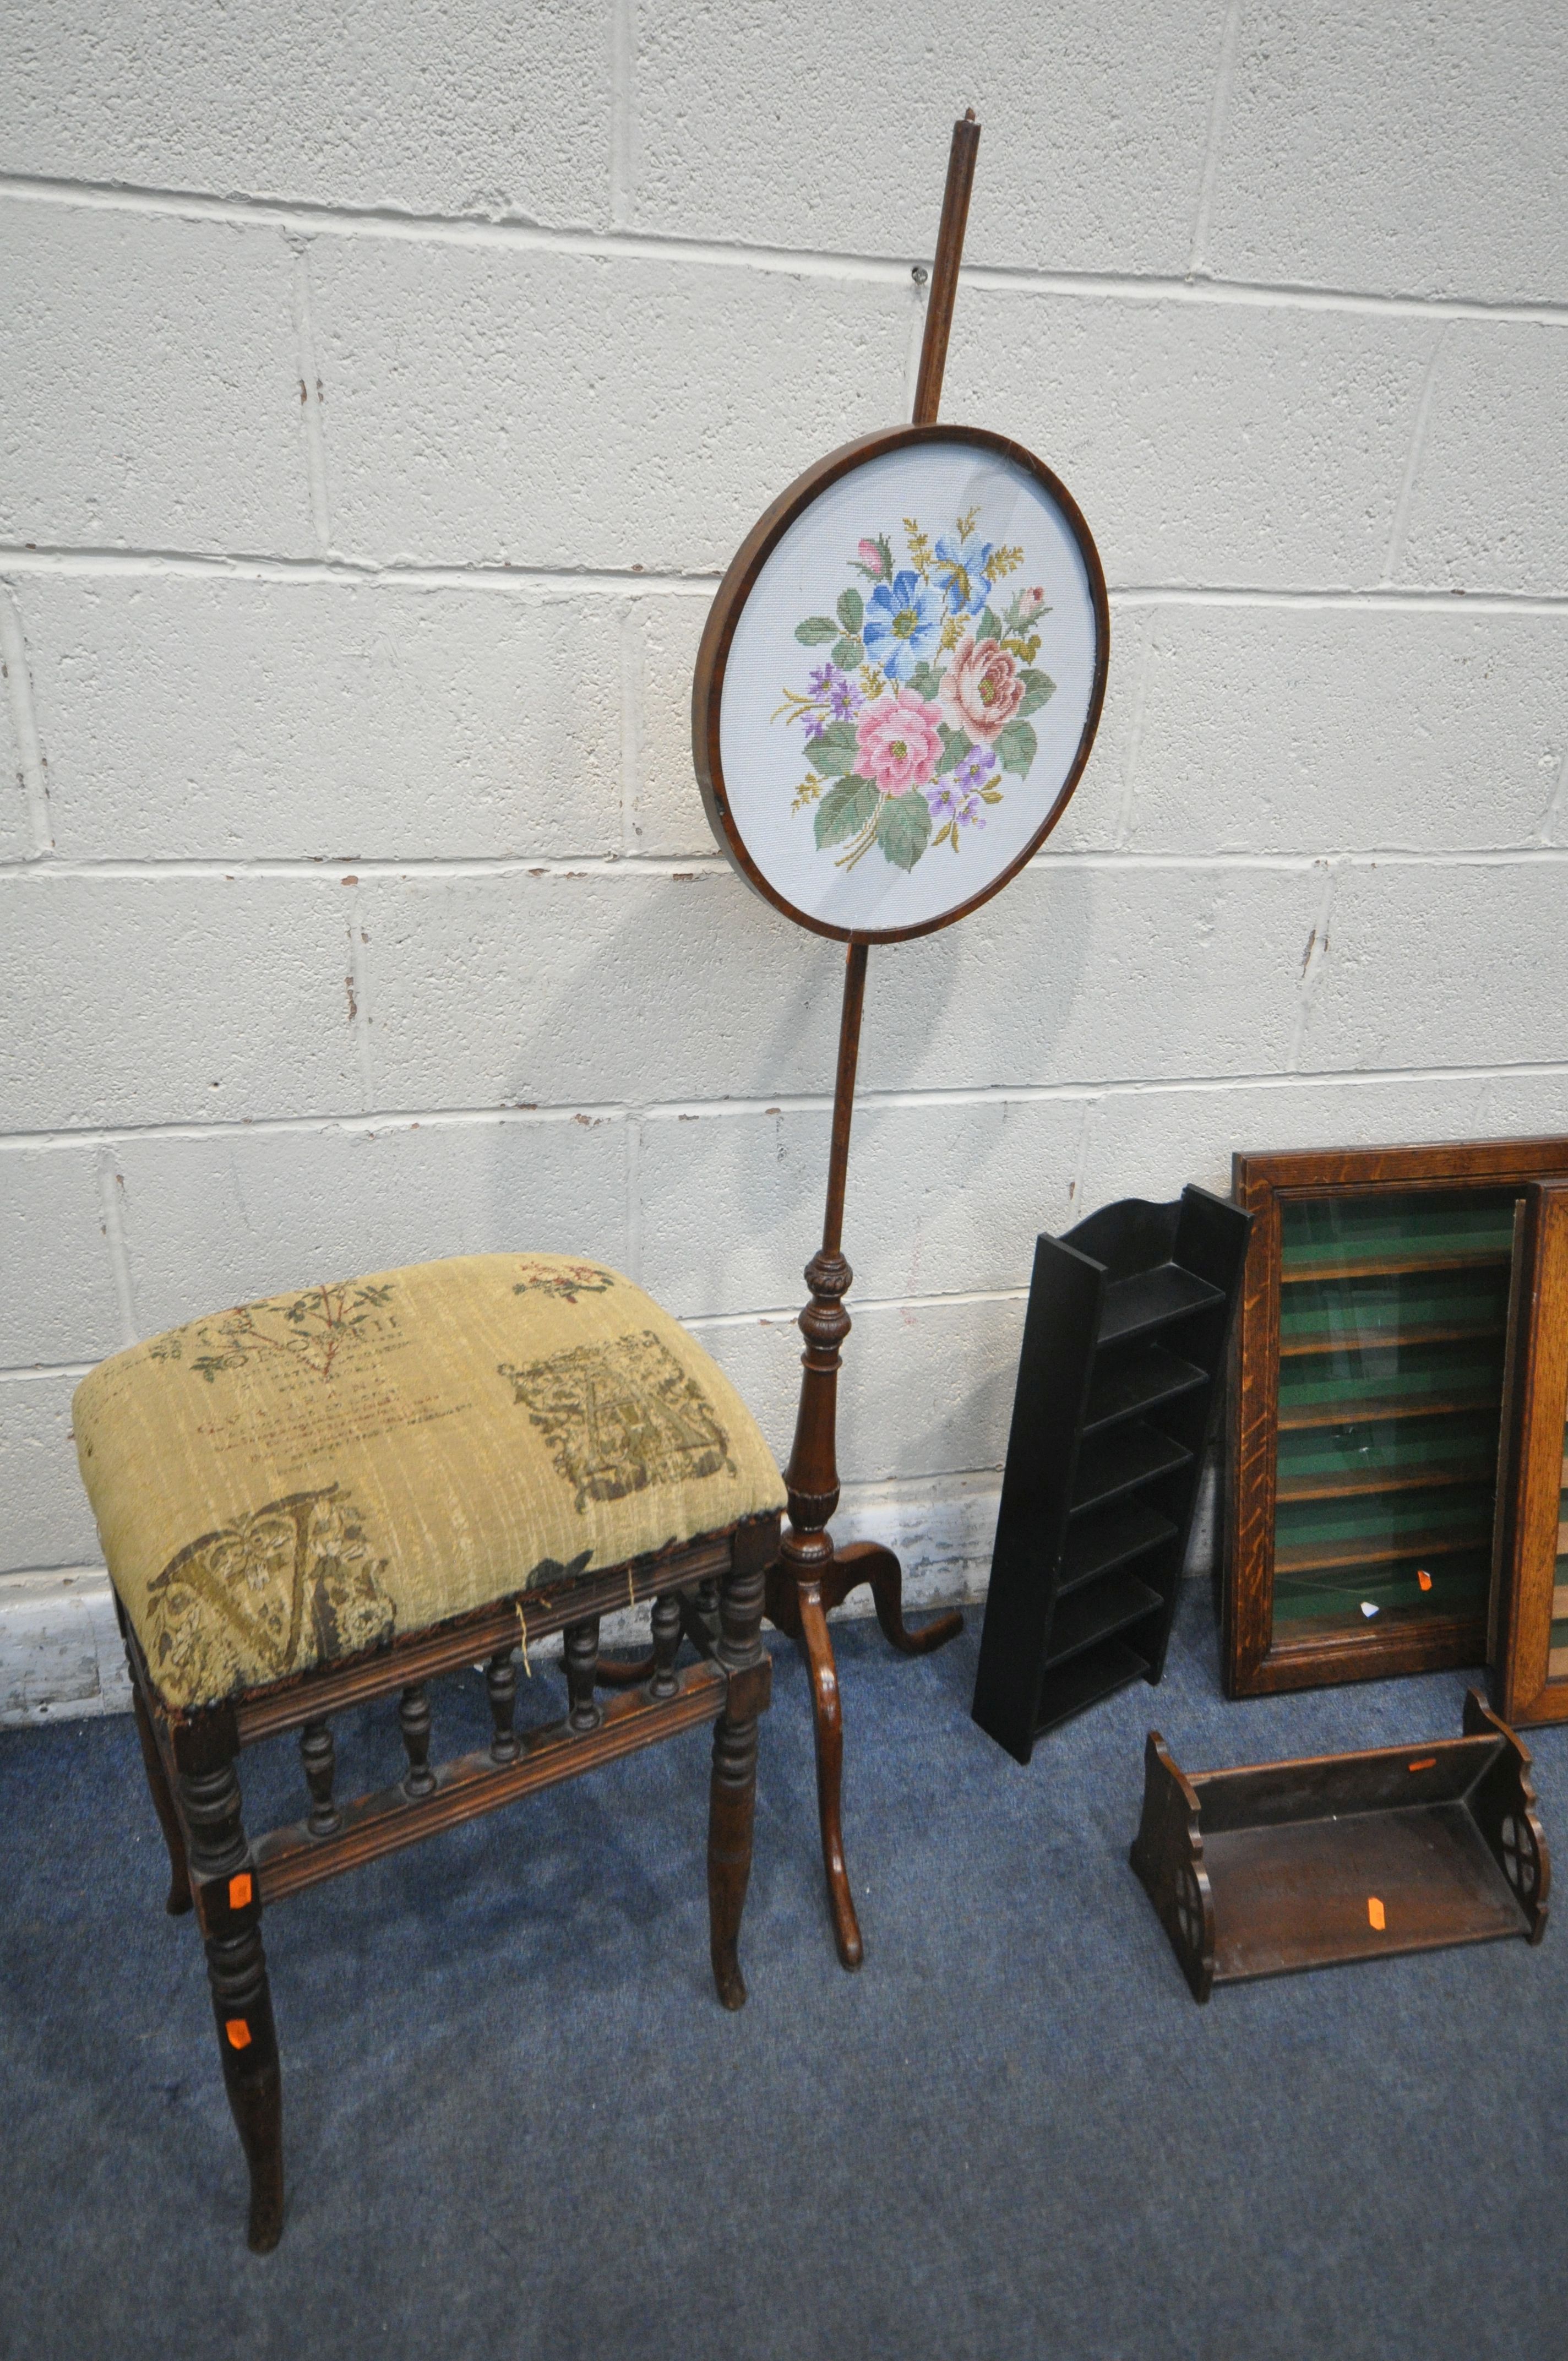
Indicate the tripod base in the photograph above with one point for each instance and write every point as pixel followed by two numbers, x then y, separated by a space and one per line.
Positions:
pixel 799 1602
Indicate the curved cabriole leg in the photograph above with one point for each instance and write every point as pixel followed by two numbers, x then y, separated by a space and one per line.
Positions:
pixel 870 1561
pixel 828 1730
pixel 230 1915
pixel 733 1790
pixel 178 1900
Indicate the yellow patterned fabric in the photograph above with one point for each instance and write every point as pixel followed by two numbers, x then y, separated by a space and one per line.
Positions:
pixel 291 1481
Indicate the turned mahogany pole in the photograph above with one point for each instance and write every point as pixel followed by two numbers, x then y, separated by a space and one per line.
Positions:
pixel 945 270
pixel 812 1475
pixel 812 1578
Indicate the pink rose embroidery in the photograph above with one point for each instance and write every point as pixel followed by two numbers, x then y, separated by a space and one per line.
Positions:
pixel 1030 604
pixel 980 690
pixel 898 741
pixel 870 556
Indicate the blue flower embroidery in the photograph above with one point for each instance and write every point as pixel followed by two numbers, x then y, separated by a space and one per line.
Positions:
pixel 961 568
pixel 903 624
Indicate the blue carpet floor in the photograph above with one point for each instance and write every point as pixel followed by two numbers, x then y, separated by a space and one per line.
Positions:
pixel 518 2122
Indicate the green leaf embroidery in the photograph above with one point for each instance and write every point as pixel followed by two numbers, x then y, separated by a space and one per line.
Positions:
pixel 955 746
pixel 851 612
pixel 1037 687
pixel 834 752
pixel 904 829
pixel 988 628
pixel 848 654
pixel 844 810
pixel 1016 748
pixel 815 630
pixel 926 680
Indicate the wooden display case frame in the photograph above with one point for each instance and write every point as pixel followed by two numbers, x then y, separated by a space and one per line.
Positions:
pixel 1530 1521
pixel 1255 1663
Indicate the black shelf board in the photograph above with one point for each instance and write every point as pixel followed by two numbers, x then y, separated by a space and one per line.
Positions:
pixel 1094 1612
pixel 1123 1460
pixel 1122 1532
pixel 1149 1298
pixel 1088 1677
pixel 1151 1377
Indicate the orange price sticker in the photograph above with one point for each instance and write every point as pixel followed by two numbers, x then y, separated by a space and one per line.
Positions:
pixel 1375 1914
pixel 1424 1577
pixel 240 1890
pixel 239 2032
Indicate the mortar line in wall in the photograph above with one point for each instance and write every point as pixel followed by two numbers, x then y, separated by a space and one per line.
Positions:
pixel 1556 802
pixel 623 113
pixel 1399 524
pixel 633 671
pixel 1143 664
pixel 765 1316
pixel 711 868
pixel 867 1101
pixel 1313 960
pixel 1080 1157
pixel 31 765
pixel 111 1187
pixel 1219 112
pixel 634 1194
pixel 357 986
pixel 547 582
pixel 785 1316
pixel 313 218
pixel 311 395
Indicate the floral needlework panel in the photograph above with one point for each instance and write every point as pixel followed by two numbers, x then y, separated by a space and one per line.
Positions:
pixel 291 1481
pixel 621 1416
pixel 907 686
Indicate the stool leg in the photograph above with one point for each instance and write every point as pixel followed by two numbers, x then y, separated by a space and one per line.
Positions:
pixel 242 2001
pixel 178 1900
pixel 732 1791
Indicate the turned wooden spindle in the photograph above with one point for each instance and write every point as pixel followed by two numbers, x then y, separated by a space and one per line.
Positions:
pixel 500 1687
pixel 413 1720
pixel 318 1753
pixel 666 1643
pixel 581 1655
pixel 699 1617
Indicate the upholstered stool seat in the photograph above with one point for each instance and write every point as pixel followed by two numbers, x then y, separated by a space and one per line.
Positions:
pixel 294 1481
pixel 336 1494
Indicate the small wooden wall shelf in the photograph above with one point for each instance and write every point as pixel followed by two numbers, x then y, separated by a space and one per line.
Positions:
pixel 1342 1857
pixel 1123 1341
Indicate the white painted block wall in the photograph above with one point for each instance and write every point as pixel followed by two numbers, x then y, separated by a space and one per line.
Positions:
pixel 382 392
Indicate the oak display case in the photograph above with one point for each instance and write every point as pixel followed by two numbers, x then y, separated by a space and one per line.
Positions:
pixel 1367 1409
pixel 1529 1629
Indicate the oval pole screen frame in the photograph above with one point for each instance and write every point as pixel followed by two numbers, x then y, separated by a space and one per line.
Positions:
pixel 730 607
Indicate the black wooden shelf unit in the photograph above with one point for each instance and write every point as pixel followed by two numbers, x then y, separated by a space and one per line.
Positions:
pixel 1123 1340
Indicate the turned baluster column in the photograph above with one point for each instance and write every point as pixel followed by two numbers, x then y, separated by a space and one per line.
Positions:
pixel 318 1753
pixel 812 1477
pixel 732 1787
pixel 581 1647
pixel 413 1720
pixel 500 1686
